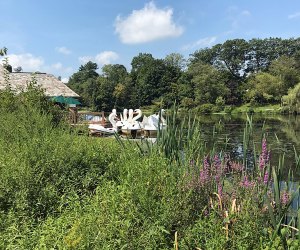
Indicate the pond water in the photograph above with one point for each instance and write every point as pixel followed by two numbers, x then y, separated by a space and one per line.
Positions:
pixel 281 131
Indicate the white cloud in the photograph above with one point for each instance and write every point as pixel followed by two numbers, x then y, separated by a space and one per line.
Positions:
pixel 201 43
pixel 31 63
pixel 63 50
pixel 294 16
pixel 65 79
pixel 238 18
pixel 27 61
pixel 105 57
pixel 245 13
pixel 57 66
pixel 147 24
pixel 85 59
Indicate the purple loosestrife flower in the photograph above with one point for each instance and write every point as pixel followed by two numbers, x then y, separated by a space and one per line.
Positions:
pixel 217 162
pixel 285 198
pixel 262 163
pixel 259 179
pixel 204 172
pixel 264 149
pixel 220 189
pixel 266 177
pixel 264 157
pixel 237 167
pixel 246 183
pixel 218 168
pixel 206 164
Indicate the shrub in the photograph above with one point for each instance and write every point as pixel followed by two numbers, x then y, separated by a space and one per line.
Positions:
pixel 205 108
pixel 228 109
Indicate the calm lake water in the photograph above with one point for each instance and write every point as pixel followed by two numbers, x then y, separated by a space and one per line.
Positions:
pixel 282 133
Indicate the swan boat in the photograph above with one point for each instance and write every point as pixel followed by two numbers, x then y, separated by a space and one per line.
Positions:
pixel 130 125
pixel 154 123
pixel 97 128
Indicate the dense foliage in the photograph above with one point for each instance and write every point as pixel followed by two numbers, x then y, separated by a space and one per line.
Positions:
pixel 59 190
pixel 292 100
pixel 258 71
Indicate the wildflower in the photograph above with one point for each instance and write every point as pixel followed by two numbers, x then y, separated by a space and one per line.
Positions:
pixel 264 157
pixel 206 164
pixel 266 177
pixel 246 183
pixel 218 168
pixel 264 149
pixel 204 172
pixel 237 167
pixel 262 163
pixel 285 197
pixel 220 189
pixel 259 179
pixel 217 162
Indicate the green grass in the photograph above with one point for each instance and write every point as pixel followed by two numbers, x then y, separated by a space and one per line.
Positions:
pixel 257 109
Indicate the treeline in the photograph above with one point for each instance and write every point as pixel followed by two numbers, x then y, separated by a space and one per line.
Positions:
pixel 258 71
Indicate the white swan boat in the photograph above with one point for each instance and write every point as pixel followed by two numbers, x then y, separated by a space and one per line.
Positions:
pixel 97 128
pixel 131 126
pixel 153 123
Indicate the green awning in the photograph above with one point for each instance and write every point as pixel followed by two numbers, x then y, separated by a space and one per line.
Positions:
pixel 66 100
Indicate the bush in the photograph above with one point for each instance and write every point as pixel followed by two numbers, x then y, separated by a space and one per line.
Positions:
pixel 228 109
pixel 207 108
pixel 220 102
pixel 251 111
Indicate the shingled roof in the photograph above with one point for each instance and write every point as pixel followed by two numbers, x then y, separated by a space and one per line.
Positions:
pixel 49 83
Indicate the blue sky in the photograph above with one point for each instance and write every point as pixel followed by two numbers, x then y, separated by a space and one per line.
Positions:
pixel 58 36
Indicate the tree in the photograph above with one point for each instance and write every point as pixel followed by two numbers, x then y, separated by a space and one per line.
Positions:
pixel 3 51
pixel 206 55
pixel 84 83
pixel 175 60
pixel 264 88
pixel 292 100
pixel 208 82
pixel 285 69
pixel 87 71
pixel 112 87
pixel 152 78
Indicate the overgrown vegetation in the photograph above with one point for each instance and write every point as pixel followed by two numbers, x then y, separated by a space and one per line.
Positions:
pixel 64 191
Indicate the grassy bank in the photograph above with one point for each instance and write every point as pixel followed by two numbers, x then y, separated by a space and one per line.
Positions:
pixel 246 108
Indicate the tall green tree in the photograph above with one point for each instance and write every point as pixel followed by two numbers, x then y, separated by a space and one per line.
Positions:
pixel 286 69
pixel 175 60
pixel 84 83
pixel 264 88
pixel 152 78
pixel 112 87
pixel 209 83
pixel 292 99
